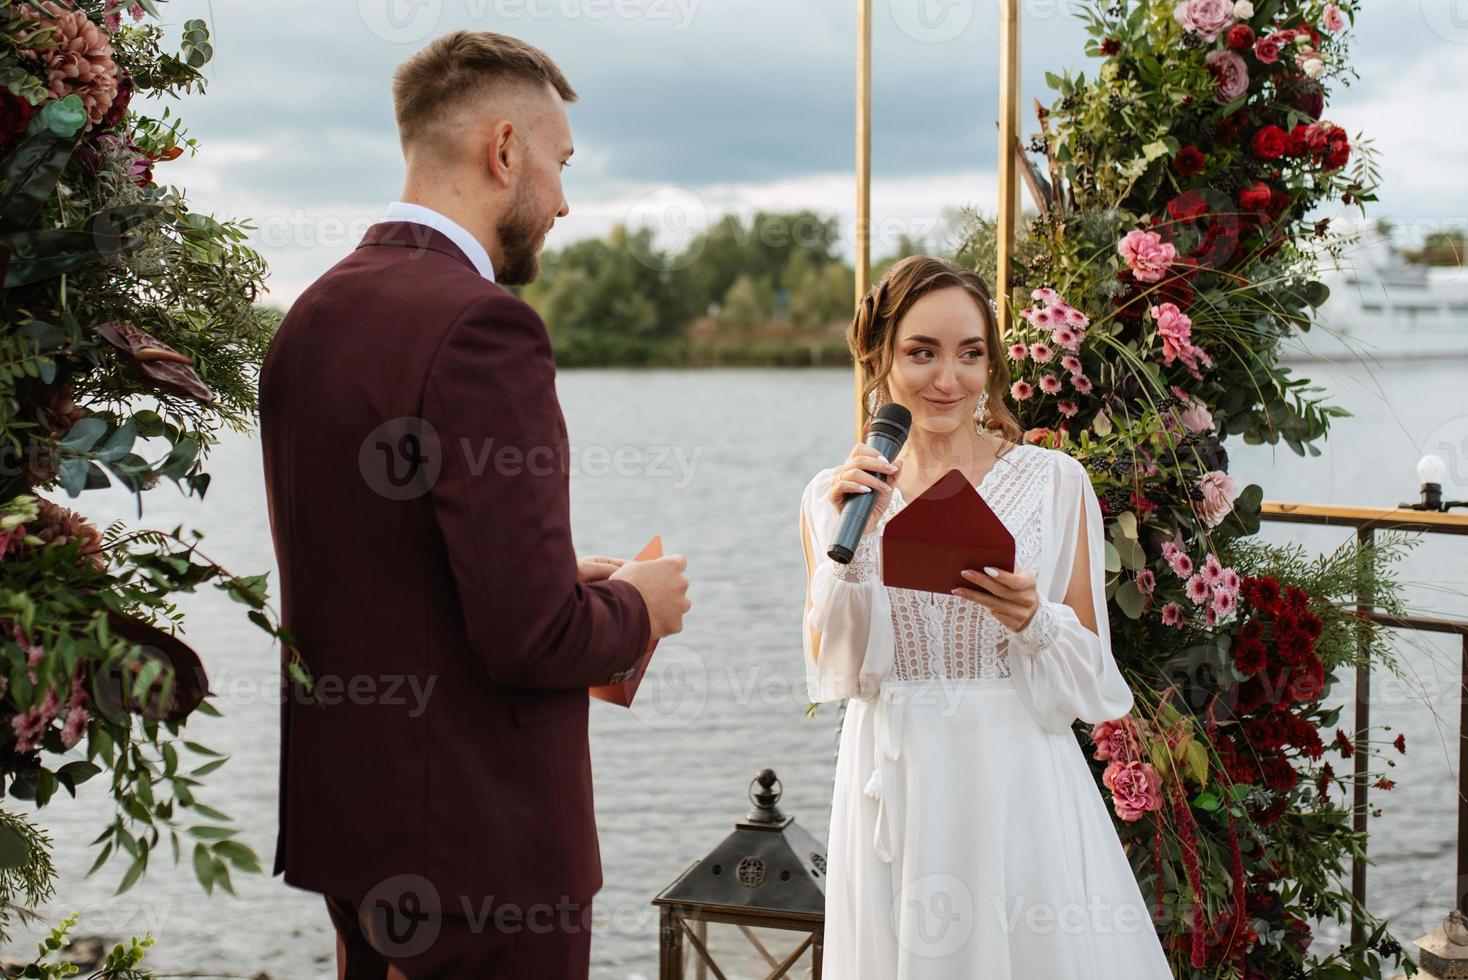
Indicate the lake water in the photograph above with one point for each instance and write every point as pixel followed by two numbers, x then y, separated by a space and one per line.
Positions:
pixel 715 461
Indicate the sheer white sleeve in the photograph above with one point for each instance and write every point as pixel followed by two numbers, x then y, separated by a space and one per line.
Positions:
pixel 847 633
pixel 1062 669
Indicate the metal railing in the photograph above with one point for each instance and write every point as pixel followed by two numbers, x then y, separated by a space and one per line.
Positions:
pixel 1367 521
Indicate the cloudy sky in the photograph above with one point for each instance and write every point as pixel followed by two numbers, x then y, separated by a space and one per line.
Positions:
pixel 691 108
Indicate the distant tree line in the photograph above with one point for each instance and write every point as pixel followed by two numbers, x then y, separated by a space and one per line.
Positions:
pixel 773 289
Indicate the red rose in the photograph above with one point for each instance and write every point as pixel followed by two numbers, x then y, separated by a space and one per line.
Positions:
pixel 15 115
pixel 1187 206
pixel 1269 143
pixel 1255 198
pixel 1189 161
pixel 1266 49
pixel 1338 150
pixel 1241 37
pixel 1299 143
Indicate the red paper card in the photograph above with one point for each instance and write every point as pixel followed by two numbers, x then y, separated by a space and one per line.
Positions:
pixel 623 692
pixel 928 543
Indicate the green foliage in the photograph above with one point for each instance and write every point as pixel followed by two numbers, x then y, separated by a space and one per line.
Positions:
pixel 131 338
pixel 772 289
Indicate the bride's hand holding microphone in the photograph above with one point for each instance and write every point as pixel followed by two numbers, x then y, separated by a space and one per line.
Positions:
pixel 863 472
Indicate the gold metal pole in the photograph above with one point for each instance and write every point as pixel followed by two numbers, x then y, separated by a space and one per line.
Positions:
pixel 1009 96
pixel 863 177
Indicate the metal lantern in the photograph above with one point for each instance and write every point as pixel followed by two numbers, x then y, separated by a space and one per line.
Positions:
pixel 768 874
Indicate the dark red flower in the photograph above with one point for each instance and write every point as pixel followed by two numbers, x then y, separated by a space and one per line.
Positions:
pixel 119 103
pixel 1228 129
pixel 1346 747
pixel 15 115
pixel 1261 593
pixel 1249 656
pixel 1190 161
pixel 1241 37
pixel 1269 142
pixel 1401 743
pixel 1384 783
pixel 1110 46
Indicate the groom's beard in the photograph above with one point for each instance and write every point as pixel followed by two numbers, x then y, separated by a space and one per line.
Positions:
pixel 520 234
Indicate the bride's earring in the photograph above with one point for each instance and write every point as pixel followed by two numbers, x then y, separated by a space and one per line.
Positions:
pixel 872 402
pixel 979 411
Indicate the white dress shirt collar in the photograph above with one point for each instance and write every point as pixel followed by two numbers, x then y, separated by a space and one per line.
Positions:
pixel 468 244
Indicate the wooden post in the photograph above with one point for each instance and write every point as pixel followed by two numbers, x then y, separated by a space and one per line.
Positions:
pixel 670 946
pixel 1009 96
pixel 863 179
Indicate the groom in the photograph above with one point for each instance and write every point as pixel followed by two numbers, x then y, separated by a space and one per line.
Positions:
pixel 435 783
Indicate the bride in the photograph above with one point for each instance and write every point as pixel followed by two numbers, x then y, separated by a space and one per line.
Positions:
pixel 968 837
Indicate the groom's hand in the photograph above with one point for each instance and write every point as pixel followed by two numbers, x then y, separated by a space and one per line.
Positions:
pixel 664 590
pixel 597 567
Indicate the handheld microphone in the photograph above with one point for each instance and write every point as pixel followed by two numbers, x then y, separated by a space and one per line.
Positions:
pixel 886 434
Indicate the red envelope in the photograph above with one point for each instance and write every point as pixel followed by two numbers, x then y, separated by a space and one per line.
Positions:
pixel 623 692
pixel 929 542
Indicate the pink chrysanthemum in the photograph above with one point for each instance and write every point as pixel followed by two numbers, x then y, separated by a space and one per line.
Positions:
pixel 1213 569
pixel 1042 352
pixel 1021 390
pixel 1067 337
pixel 1181 564
pixel 1230 580
pixel 1050 384
pixel 1018 352
pixel 1045 295
pixel 1081 383
pixel 1146 581
pixel 1067 407
pixel 1071 363
pixel 1198 589
pixel 1172 614
pixel 1223 602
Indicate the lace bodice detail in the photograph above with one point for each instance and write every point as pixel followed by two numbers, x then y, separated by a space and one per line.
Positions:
pixel 943 636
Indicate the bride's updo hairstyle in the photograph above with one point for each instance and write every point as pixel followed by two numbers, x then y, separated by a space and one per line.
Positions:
pixel 872 336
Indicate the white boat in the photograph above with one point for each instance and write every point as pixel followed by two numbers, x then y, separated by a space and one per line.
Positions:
pixel 1384 308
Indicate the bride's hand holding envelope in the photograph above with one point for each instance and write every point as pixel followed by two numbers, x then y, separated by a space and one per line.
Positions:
pixel 1010 596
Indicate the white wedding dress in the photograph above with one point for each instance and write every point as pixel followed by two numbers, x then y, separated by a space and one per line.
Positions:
pixel 968 837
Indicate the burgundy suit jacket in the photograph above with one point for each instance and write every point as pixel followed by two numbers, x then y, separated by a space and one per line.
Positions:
pixel 415 471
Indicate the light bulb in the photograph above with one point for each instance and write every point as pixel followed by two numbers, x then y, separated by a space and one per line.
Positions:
pixel 1432 469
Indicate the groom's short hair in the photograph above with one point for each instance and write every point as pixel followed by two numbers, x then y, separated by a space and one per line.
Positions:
pixel 459 68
